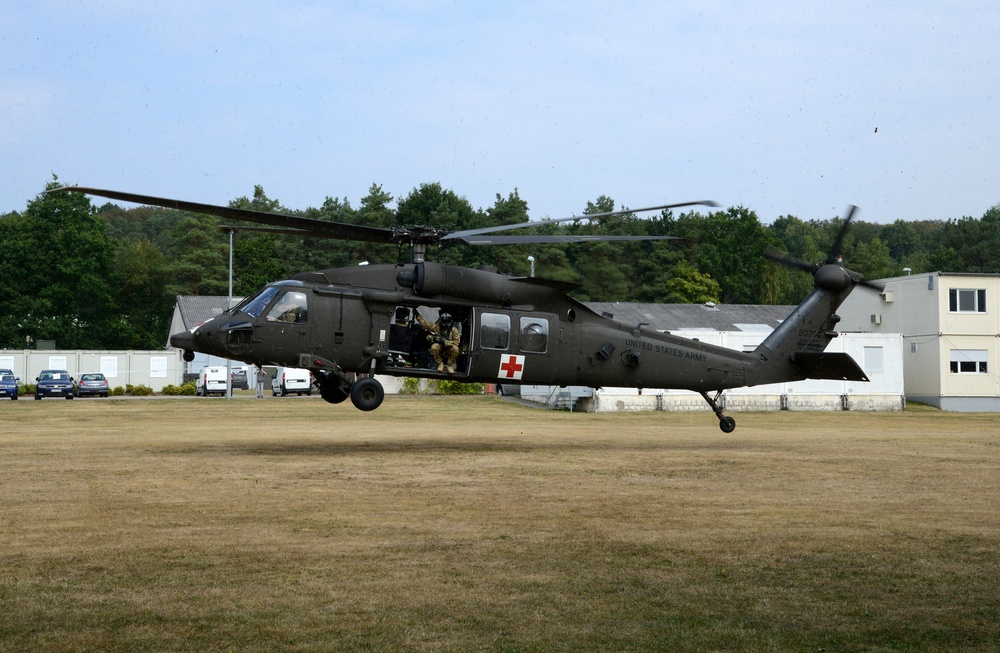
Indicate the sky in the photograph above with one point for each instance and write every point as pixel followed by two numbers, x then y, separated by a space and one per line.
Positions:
pixel 786 108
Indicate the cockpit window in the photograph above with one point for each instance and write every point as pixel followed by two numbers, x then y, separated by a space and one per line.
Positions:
pixel 256 305
pixel 291 307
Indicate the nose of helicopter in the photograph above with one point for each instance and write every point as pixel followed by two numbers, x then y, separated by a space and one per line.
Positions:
pixel 183 340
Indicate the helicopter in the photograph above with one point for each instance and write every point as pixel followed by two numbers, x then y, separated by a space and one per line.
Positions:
pixel 430 320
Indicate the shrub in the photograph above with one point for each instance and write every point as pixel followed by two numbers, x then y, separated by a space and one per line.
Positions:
pixel 183 389
pixel 450 387
pixel 118 391
pixel 138 390
pixel 411 386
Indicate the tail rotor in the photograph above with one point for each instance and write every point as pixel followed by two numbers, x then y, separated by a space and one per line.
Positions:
pixel 831 274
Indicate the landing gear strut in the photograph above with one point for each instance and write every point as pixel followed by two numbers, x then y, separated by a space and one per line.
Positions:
pixel 726 423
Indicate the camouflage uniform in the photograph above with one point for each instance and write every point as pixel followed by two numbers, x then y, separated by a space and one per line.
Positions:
pixel 444 347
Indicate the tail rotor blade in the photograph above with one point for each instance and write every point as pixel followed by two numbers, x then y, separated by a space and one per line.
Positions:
pixel 839 240
pixel 783 259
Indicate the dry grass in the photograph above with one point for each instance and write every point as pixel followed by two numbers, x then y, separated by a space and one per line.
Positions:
pixel 437 524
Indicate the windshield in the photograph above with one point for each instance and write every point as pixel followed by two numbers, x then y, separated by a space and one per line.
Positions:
pixel 255 306
pixel 7 377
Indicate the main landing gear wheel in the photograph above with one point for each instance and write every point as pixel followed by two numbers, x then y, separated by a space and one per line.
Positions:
pixel 367 394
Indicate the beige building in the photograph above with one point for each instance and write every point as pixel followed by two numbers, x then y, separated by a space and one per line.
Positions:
pixel 950 324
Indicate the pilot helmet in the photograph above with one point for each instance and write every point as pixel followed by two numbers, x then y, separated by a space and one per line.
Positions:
pixel 446 320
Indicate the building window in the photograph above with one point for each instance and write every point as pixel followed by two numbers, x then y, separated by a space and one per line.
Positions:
pixel 874 360
pixel 968 361
pixel 967 300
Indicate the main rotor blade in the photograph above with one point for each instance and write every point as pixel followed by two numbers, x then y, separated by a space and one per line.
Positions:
pixel 319 228
pixel 518 240
pixel 461 235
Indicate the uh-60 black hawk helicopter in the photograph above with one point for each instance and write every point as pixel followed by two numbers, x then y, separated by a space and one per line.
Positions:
pixel 425 319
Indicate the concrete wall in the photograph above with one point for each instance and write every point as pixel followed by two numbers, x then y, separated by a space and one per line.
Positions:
pixel 150 368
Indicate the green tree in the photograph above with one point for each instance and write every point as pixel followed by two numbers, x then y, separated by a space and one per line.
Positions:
pixel 687 285
pixel 143 300
pixel 201 258
pixel 58 266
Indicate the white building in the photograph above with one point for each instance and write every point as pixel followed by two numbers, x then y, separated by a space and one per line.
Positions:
pixel 950 324
pixel 153 369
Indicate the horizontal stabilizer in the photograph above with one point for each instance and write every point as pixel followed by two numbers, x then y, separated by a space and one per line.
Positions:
pixel 836 366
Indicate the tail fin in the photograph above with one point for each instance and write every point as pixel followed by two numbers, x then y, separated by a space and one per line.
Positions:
pixel 796 350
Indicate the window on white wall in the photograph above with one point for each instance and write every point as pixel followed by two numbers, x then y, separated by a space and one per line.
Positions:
pixel 967 300
pixel 158 367
pixel 109 366
pixel 874 360
pixel 968 361
pixel 57 362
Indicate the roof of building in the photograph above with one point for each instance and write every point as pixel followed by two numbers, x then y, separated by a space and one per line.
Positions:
pixel 195 309
pixel 666 317
pixel 717 317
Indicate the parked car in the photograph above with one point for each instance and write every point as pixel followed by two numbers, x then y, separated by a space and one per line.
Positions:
pixel 291 379
pixel 211 380
pixel 508 389
pixel 239 378
pixel 91 384
pixel 54 383
pixel 8 385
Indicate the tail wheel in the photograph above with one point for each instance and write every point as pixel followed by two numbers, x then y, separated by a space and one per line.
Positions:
pixel 367 394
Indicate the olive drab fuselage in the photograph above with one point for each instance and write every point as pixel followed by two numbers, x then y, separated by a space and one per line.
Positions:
pixel 363 320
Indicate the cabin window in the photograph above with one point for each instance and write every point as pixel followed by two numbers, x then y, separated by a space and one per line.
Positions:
pixel 534 335
pixel 968 361
pixel 291 307
pixel 494 332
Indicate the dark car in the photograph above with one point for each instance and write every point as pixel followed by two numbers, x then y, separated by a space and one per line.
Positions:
pixel 239 379
pixel 91 384
pixel 8 386
pixel 54 383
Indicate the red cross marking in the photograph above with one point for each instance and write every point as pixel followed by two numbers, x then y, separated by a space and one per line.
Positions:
pixel 511 367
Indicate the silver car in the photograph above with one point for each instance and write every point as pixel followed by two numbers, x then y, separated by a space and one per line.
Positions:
pixel 91 384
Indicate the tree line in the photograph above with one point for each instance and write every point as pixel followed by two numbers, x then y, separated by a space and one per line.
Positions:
pixel 106 277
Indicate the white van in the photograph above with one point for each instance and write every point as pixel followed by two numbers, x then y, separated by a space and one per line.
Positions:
pixel 291 379
pixel 211 380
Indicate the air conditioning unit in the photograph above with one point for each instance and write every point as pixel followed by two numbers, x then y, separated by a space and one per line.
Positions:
pixel 877 318
pixel 888 296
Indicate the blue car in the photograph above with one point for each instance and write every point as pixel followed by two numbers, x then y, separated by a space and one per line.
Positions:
pixel 54 383
pixel 8 386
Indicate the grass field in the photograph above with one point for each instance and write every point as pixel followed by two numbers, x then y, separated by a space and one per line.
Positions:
pixel 457 524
